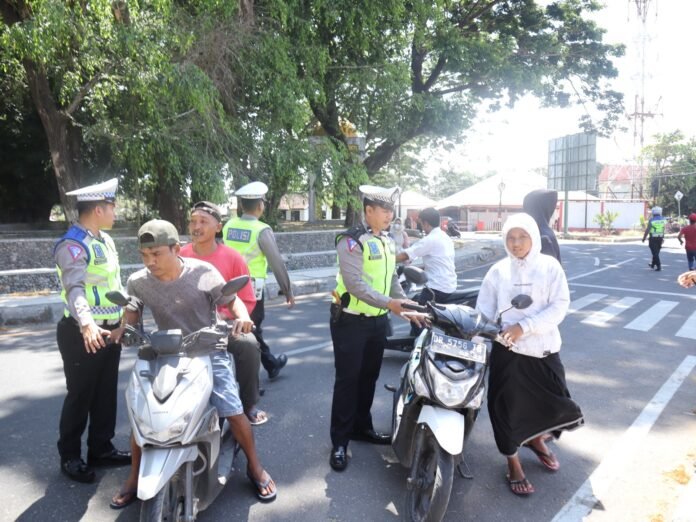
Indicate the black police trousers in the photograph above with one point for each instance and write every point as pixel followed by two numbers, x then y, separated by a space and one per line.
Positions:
pixel 91 380
pixel 358 344
pixel 257 315
pixel 655 244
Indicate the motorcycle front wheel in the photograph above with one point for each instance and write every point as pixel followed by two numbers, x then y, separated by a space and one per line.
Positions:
pixel 168 504
pixel 429 492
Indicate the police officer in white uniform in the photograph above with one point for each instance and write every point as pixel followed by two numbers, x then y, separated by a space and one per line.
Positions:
pixel 88 335
pixel 255 241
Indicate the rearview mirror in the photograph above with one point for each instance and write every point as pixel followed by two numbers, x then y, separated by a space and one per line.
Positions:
pixel 521 301
pixel 415 275
pixel 117 298
pixel 234 285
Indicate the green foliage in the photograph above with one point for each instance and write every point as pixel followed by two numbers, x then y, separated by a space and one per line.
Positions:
pixel 671 164
pixel 605 220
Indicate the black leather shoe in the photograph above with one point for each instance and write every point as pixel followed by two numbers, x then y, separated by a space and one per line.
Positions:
pixel 77 470
pixel 339 458
pixel 112 458
pixel 281 361
pixel 372 436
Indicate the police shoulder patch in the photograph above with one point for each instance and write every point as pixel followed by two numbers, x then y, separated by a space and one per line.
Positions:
pixel 351 244
pixel 75 251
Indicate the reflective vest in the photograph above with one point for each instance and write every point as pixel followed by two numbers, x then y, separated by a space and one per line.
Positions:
pixel 102 275
pixel 657 227
pixel 243 236
pixel 379 262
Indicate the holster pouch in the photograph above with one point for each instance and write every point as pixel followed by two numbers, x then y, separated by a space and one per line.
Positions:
pixel 336 312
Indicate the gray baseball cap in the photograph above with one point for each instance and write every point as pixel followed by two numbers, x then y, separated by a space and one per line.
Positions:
pixel 157 233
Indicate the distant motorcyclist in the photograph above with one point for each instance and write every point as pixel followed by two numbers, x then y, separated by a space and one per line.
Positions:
pixel 656 230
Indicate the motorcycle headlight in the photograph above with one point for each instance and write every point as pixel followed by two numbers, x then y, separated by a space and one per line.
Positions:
pixel 164 436
pixel 419 386
pixel 449 393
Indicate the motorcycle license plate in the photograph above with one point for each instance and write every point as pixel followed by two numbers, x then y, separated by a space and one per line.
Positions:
pixel 455 347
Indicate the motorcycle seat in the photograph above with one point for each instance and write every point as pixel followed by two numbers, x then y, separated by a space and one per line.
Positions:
pixel 467 297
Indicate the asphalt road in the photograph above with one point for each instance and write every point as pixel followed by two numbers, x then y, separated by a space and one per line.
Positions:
pixel 629 356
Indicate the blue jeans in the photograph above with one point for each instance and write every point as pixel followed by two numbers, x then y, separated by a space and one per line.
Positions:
pixel 691 258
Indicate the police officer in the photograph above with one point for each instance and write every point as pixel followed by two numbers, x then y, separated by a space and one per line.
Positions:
pixel 256 242
pixel 88 334
pixel 367 289
pixel 656 230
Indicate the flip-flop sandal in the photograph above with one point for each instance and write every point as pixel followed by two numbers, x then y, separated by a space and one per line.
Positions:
pixel 129 496
pixel 259 485
pixel 257 417
pixel 521 482
pixel 549 460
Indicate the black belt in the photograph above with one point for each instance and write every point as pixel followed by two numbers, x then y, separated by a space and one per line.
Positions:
pixel 101 324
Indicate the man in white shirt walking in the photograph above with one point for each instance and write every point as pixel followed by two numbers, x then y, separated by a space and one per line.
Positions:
pixel 437 251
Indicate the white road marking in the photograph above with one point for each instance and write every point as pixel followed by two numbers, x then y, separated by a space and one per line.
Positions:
pixel 584 301
pixel 608 267
pixel 688 329
pixel 602 317
pixel 624 450
pixel 596 261
pixel 329 344
pixel 636 291
pixel 651 316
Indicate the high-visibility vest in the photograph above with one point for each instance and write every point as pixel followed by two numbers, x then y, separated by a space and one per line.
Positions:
pixel 657 227
pixel 243 236
pixel 379 262
pixel 103 273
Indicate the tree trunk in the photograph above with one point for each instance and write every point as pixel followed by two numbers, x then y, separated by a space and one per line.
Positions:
pixel 169 201
pixel 62 135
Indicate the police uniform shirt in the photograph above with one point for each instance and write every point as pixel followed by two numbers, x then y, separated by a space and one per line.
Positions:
pixel 350 264
pixel 269 247
pixel 71 258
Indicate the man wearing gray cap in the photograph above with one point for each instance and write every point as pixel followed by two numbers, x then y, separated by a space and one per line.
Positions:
pixel 255 241
pixel 367 288
pixel 181 294
pixel 88 334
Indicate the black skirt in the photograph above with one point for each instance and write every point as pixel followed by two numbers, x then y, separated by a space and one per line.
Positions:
pixel 527 397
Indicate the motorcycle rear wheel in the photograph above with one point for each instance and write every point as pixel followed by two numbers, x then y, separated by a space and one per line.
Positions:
pixel 428 495
pixel 168 504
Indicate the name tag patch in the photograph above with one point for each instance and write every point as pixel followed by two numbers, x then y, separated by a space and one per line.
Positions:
pixel 237 234
pixel 375 252
pixel 99 255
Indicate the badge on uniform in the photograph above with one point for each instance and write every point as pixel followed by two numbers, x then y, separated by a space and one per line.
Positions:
pixel 75 251
pixel 237 234
pixel 351 244
pixel 375 252
pixel 99 255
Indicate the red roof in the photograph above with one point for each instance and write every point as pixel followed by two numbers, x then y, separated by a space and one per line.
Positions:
pixel 621 173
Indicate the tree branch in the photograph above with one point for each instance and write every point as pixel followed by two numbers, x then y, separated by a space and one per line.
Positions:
pixel 84 90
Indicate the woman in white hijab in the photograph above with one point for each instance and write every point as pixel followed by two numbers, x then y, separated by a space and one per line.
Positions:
pixel 527 393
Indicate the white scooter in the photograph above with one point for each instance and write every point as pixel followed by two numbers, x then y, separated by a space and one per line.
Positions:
pixel 187 454
pixel 441 391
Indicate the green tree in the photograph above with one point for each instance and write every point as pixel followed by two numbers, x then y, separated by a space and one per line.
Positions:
pixel 400 70
pixel 671 164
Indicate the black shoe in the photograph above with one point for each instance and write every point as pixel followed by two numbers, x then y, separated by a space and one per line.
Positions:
pixel 281 361
pixel 658 269
pixel 339 458
pixel 77 470
pixel 372 436
pixel 652 267
pixel 112 458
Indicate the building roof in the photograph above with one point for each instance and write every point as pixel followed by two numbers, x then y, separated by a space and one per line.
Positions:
pixel 412 199
pixel 293 202
pixel 622 173
pixel 486 193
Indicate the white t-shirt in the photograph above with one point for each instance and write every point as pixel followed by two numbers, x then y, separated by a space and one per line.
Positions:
pixel 437 251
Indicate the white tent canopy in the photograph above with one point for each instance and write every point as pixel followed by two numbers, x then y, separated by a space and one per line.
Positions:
pixel 487 193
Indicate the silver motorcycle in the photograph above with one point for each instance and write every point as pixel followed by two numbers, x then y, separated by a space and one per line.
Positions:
pixel 187 453
pixel 440 394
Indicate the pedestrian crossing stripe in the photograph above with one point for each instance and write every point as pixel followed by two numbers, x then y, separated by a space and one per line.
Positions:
pixel 644 322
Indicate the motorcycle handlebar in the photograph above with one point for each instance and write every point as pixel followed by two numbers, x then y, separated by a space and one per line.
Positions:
pixel 415 307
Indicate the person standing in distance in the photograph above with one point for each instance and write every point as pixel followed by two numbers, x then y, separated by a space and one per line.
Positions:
pixel 256 242
pixel 367 289
pixel 689 232
pixel 88 335
pixel 205 222
pixel 656 230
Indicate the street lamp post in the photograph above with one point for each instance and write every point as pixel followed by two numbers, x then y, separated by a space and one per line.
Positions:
pixel 501 187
